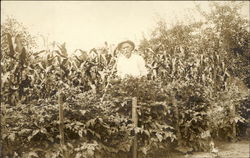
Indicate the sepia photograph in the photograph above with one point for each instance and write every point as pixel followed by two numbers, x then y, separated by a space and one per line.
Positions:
pixel 125 79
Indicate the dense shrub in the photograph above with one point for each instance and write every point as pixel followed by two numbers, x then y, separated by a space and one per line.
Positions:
pixel 192 94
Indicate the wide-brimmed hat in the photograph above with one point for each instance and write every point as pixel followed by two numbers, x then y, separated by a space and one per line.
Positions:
pixel 129 42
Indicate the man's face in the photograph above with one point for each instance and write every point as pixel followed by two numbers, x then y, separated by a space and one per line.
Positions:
pixel 126 50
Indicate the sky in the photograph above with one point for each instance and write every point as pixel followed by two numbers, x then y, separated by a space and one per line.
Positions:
pixel 88 24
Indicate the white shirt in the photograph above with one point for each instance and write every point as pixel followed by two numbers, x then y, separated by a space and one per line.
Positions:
pixel 133 66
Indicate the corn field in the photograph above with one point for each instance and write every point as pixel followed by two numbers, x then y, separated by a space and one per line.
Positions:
pixel 196 91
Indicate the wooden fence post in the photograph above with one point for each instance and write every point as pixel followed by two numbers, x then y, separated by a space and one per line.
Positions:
pixel 61 125
pixel 135 120
pixel 177 127
pixel 232 111
pixel 3 129
pixel 61 119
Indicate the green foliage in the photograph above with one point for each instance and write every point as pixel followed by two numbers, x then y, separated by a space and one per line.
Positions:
pixel 206 60
pixel 191 95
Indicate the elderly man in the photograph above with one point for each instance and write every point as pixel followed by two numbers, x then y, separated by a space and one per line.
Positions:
pixel 129 63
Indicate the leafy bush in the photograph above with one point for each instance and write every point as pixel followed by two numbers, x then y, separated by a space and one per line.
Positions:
pixel 192 94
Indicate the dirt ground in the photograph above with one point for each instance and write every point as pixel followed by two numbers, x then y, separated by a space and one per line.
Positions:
pixel 240 149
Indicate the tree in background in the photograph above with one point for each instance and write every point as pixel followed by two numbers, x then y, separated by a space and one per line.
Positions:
pixel 191 95
pixel 231 34
pixel 209 60
pixel 16 43
pixel 224 30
